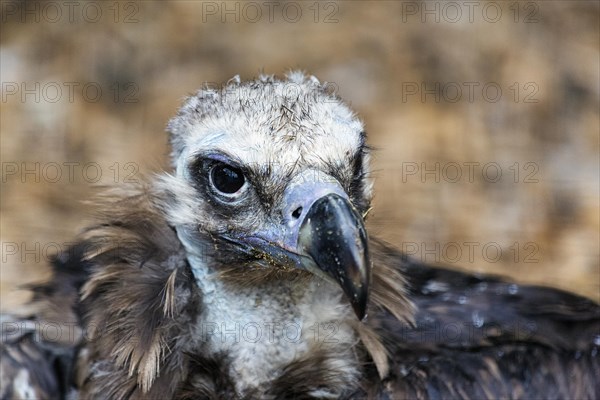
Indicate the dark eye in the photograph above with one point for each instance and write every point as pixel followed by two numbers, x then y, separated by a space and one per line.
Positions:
pixel 226 179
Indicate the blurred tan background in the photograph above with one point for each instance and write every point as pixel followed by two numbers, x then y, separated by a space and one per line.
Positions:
pixel 484 117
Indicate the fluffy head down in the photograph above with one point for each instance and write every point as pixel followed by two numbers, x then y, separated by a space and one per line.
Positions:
pixel 299 116
pixel 275 129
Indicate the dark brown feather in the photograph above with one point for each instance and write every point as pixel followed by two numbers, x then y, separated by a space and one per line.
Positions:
pixel 484 337
pixel 27 369
pixel 137 301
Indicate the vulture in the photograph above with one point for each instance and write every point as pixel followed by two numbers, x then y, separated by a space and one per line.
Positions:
pixel 246 272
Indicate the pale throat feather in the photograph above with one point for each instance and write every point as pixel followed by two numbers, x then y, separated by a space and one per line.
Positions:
pixel 261 329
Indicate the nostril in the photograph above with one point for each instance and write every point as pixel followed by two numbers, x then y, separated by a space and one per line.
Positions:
pixel 297 212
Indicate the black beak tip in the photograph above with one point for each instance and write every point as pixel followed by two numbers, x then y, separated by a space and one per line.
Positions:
pixel 333 235
pixel 357 292
pixel 360 308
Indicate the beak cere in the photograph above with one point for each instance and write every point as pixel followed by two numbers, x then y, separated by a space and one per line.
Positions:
pixel 333 235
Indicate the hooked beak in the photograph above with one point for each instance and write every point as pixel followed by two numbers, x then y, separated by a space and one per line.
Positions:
pixel 322 233
pixel 333 235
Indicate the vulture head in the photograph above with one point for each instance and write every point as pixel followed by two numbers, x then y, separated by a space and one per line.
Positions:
pixel 270 184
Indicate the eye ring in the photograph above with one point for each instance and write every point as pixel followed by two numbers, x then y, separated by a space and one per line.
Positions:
pixel 226 179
